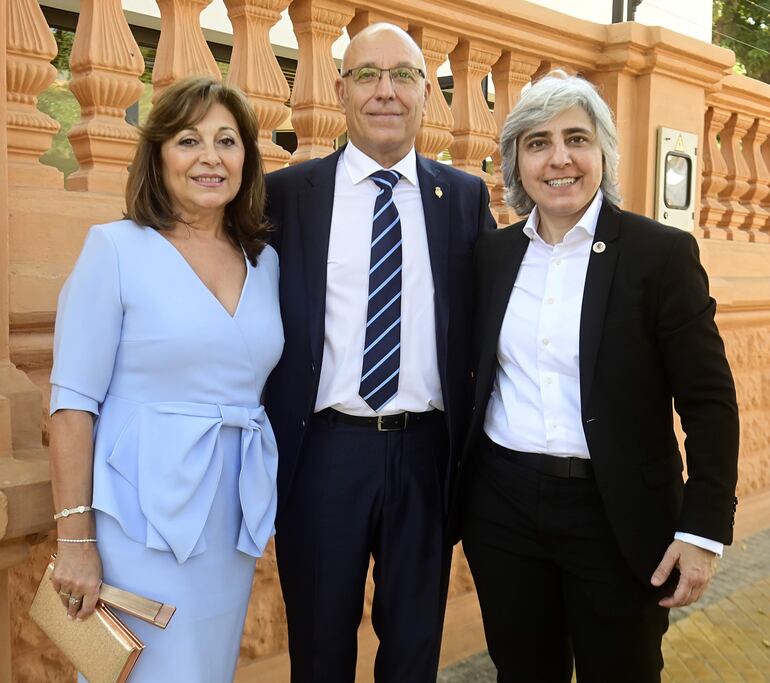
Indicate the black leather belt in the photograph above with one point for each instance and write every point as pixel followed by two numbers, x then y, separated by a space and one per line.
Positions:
pixel 382 423
pixel 551 465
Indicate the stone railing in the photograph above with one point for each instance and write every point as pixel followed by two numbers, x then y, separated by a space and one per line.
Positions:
pixel 735 204
pixel 651 77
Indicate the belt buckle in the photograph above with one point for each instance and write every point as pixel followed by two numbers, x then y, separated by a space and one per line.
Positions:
pixel 399 426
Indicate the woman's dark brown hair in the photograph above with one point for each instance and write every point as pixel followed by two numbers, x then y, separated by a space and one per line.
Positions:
pixel 180 106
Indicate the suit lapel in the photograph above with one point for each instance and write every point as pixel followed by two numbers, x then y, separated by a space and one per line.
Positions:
pixel 601 268
pixel 315 213
pixel 435 194
pixel 505 263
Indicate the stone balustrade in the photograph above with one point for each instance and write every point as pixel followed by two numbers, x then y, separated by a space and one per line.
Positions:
pixel 735 203
pixel 650 76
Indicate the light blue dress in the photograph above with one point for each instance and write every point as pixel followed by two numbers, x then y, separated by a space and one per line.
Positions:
pixel 185 459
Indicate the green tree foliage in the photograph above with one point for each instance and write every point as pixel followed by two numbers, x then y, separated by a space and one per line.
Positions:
pixel 744 27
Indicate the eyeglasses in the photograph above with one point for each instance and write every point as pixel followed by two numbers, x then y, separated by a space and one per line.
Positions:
pixel 400 76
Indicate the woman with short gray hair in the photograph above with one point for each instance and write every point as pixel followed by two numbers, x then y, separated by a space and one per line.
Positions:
pixel 578 528
pixel 556 93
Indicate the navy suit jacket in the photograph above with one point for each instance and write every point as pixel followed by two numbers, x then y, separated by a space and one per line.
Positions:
pixel 299 206
pixel 647 337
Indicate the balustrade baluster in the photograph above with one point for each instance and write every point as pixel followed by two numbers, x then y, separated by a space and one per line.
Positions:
pixel 254 69
pixel 714 175
pixel 182 48
pixel 315 110
pixel 435 135
pixel 105 64
pixel 30 47
pixel 765 203
pixel 736 213
pixel 509 75
pixel 759 180
pixel 474 126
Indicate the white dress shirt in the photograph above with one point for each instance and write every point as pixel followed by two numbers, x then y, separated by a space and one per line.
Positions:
pixel 535 403
pixel 347 289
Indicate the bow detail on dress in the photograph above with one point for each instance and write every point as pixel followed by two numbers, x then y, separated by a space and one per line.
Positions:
pixel 169 452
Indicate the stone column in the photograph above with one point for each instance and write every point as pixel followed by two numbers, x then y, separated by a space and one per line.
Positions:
pixel 759 180
pixel 30 49
pixel 182 48
pixel 714 175
pixel 509 75
pixel 20 415
pixel 474 129
pixel 5 609
pixel 106 64
pixel 765 203
pixel 255 70
pixel 436 132
pixel 315 111
pixel 10 555
pixel 736 213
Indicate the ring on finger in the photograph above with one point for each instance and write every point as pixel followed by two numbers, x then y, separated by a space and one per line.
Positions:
pixel 64 594
pixel 74 601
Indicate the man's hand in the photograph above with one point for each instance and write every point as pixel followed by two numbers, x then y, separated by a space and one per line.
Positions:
pixel 696 567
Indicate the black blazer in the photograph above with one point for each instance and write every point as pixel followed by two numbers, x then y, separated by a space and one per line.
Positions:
pixel 647 336
pixel 299 205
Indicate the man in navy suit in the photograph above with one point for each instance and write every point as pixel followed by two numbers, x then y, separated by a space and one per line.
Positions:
pixel 370 400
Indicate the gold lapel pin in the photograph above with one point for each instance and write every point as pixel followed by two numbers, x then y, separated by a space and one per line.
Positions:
pixel 439 192
pixel 599 247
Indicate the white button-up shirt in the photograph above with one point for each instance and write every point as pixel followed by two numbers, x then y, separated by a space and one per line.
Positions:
pixel 535 403
pixel 347 290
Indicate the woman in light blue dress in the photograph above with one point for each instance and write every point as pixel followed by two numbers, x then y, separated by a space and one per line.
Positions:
pixel 166 331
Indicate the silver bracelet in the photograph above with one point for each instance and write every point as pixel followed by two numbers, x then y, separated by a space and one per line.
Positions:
pixel 76 540
pixel 66 512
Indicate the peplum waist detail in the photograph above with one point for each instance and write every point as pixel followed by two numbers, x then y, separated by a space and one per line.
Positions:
pixel 157 468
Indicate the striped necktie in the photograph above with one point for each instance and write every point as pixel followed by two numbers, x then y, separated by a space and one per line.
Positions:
pixel 382 345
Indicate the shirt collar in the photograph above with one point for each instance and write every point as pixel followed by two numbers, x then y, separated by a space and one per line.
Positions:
pixel 586 223
pixel 360 166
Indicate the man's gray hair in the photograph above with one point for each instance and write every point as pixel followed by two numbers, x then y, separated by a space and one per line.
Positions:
pixel 548 97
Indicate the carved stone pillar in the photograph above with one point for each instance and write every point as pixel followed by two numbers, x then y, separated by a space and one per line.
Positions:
pixel 182 49
pixel 765 203
pixel 255 70
pixel 10 555
pixel 30 48
pixel 474 129
pixel 714 175
pixel 509 75
pixel 105 64
pixel 436 132
pixel 759 181
pixel 315 110
pixel 24 484
pixel 736 214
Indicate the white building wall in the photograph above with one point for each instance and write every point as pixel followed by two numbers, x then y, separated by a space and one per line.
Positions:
pixel 690 17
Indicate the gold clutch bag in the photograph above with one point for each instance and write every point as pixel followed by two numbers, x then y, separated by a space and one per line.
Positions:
pixel 101 647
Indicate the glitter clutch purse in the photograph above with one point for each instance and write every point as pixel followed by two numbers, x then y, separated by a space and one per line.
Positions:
pixel 101 647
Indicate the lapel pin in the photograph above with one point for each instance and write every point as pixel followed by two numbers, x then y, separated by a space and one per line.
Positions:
pixel 599 247
pixel 439 192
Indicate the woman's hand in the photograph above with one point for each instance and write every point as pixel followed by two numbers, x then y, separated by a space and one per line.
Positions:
pixel 77 577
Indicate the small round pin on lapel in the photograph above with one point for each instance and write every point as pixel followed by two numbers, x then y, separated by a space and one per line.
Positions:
pixel 439 192
pixel 599 247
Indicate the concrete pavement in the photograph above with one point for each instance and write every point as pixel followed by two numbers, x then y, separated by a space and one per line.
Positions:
pixel 724 637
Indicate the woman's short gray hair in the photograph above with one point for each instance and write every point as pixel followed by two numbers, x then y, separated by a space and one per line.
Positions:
pixel 548 97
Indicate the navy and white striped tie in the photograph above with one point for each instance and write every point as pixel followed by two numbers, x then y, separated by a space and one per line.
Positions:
pixel 382 345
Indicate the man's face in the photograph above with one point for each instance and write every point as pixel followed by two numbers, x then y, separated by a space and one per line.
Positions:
pixel 383 117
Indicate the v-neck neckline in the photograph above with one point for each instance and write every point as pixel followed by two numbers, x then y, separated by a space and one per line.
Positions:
pixel 194 273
